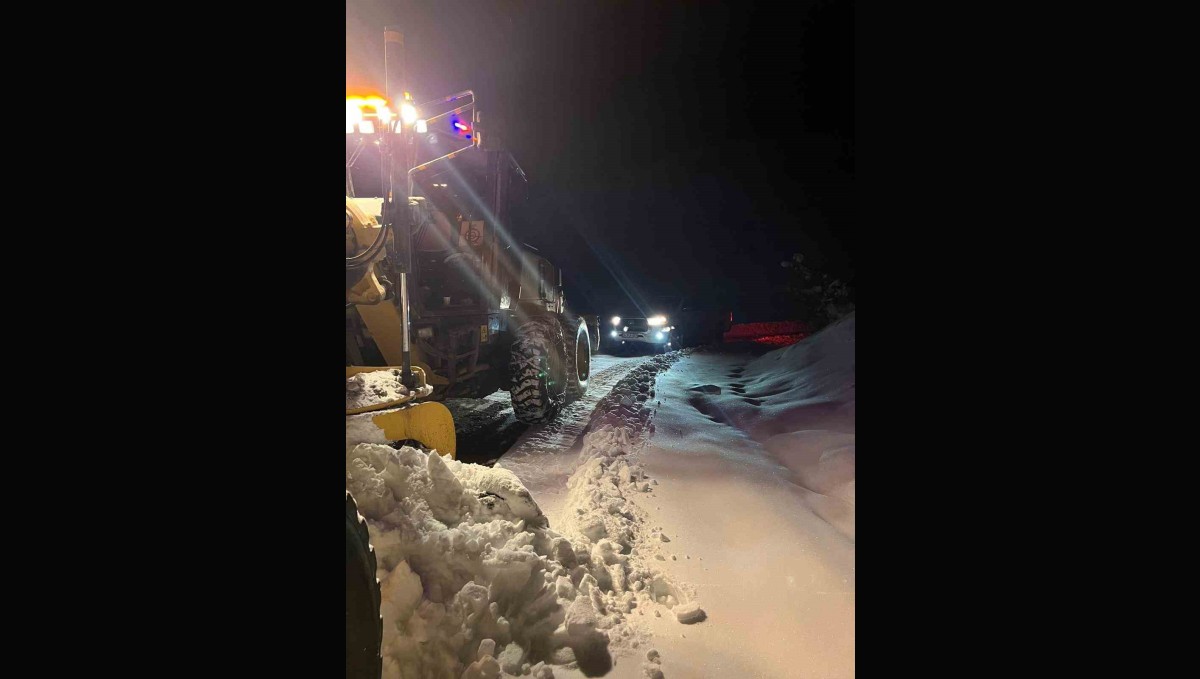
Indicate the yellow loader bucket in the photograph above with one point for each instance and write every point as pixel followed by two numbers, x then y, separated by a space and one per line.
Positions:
pixel 429 422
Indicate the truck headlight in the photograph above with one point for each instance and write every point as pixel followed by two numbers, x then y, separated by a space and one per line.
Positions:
pixel 616 320
pixel 657 320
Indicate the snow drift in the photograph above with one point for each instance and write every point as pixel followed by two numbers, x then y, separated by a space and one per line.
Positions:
pixel 474 582
pixel 755 464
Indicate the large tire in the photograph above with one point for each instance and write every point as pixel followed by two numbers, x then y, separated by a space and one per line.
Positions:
pixel 539 380
pixel 578 363
pixel 364 626
pixel 593 326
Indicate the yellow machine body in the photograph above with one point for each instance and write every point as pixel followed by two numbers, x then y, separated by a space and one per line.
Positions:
pixel 407 418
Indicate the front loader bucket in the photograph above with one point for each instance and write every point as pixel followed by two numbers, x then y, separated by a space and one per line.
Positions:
pixel 429 422
pixel 406 418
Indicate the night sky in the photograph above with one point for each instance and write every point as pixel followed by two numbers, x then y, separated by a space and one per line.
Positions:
pixel 671 147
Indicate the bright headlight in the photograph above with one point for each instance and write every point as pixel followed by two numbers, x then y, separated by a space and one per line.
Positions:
pixel 408 113
pixel 616 320
pixel 658 320
pixel 614 333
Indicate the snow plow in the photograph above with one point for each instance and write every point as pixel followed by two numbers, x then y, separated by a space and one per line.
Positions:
pixel 435 278
pixel 401 417
pixel 441 300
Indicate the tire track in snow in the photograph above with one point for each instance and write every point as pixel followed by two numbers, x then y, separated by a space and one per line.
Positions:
pixel 488 429
pixel 545 457
pixel 562 432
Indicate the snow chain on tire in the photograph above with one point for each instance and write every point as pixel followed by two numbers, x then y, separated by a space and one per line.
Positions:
pixel 364 625
pixel 539 382
pixel 576 337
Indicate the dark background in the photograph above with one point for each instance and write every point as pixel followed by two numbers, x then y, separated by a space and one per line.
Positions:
pixel 671 148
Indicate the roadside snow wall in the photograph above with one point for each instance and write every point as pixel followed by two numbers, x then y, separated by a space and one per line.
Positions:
pixel 474 582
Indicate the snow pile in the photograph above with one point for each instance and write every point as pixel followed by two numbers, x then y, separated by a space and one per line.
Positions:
pixel 807 423
pixel 602 512
pixel 473 582
pixel 373 388
pixel 362 429
pixel 812 380
pixel 797 404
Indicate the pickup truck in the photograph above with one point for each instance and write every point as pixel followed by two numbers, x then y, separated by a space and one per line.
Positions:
pixel 665 324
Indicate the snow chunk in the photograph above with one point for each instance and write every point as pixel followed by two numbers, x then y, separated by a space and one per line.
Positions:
pixel 690 613
pixel 374 388
pixel 484 668
pixel 400 594
pixel 471 578
pixel 581 617
pixel 511 658
pixel 445 493
pixel 563 656
pixel 594 528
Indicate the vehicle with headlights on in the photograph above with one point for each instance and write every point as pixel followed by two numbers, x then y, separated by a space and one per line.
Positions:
pixel 672 324
pixel 640 331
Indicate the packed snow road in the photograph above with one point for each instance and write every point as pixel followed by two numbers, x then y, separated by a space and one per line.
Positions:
pixel 746 522
pixel 487 429
pixel 695 519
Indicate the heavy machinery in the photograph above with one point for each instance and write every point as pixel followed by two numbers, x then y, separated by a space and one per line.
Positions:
pixel 484 311
pixel 440 297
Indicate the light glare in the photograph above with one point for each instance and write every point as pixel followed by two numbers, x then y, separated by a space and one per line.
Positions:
pixel 408 113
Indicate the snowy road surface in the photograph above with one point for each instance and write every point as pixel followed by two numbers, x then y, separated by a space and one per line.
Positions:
pixel 753 460
pixel 547 454
pixel 700 524
pixel 487 428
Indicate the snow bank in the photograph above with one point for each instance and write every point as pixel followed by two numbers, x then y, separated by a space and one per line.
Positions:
pixel 604 510
pixel 755 463
pixel 806 397
pixel 807 382
pixel 475 584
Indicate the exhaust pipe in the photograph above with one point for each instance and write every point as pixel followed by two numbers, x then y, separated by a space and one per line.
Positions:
pixel 393 63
